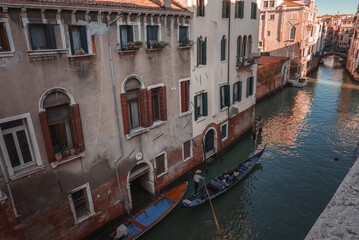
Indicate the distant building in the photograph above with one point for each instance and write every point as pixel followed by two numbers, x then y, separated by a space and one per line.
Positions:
pixel 345 32
pixel 289 29
pixel 353 52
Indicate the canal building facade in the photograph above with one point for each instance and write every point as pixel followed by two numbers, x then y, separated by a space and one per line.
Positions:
pixel 223 72
pixel 353 52
pixel 290 29
pixel 90 113
pixel 345 32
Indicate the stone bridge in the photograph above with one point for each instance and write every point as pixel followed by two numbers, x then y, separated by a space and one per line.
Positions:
pixel 330 53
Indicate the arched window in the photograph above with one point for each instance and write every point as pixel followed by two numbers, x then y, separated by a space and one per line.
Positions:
pixel 223 48
pixel 239 49
pixel 292 33
pixel 244 47
pixel 201 51
pixel 132 88
pixel 249 50
pixel 61 124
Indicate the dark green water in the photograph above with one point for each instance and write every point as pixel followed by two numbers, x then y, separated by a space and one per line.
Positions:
pixel 305 130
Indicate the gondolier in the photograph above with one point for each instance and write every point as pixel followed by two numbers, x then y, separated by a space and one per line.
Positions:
pixel 196 178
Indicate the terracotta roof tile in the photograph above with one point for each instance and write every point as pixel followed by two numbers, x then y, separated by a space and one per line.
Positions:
pixel 290 3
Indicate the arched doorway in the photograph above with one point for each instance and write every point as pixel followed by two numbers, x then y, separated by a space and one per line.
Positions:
pixel 210 141
pixel 140 184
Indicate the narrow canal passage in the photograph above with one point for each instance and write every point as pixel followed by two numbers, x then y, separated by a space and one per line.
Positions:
pixel 311 135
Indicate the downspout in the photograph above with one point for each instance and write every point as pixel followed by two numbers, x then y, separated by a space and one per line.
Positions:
pixel 229 51
pixel 117 112
pixel 8 188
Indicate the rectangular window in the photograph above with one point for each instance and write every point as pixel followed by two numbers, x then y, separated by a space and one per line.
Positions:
pixel 224 131
pixel 265 5
pixel 155 98
pixel 4 40
pixel 225 8
pixel 200 8
pixel 271 3
pixel 126 37
pixel 272 17
pixel 183 37
pixel 237 92
pixel 78 40
pixel 200 103
pixel 42 36
pixel 239 9
pixel 263 17
pixel 81 203
pixel 250 82
pixel 152 35
pixel 253 10
pixel 224 96
pixel 185 97
pixel 268 33
pixel 18 145
pixel 187 150
pixel 160 164
pixel 223 48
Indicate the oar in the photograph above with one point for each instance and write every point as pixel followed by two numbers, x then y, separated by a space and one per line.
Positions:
pixel 209 199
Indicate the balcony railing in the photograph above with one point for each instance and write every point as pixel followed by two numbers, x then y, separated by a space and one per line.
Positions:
pixel 247 61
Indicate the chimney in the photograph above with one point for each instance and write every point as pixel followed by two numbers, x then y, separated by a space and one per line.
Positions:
pixel 167 3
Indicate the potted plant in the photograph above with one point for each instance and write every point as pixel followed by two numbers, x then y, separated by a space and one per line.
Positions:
pixel 58 156
pixel 80 51
pixel 66 150
pixel 184 42
pixel 72 151
pixel 138 44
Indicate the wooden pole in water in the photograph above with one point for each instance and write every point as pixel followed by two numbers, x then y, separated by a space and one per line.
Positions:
pixel 209 199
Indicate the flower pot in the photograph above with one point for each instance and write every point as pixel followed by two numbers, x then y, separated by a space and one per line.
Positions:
pixel 58 156
pixel 72 151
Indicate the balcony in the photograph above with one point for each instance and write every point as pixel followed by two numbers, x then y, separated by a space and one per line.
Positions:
pixel 247 61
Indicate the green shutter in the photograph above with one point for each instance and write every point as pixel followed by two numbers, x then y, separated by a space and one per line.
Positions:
pixel 241 11
pixel 220 97
pixel 240 91
pixel 223 49
pixel 224 8
pixel 226 95
pixel 247 87
pixel 204 102
pixel 198 51
pixel 204 52
pixel 234 87
pixel 195 108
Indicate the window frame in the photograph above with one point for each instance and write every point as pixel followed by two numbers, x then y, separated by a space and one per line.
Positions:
pixel 224 93
pixel 190 149
pixel 226 137
pixel 165 163
pixel 159 33
pixel 223 48
pixel 189 96
pixel 250 86
pixel 272 17
pixel 203 106
pixel 7 33
pixel 47 36
pixel 89 201
pixel 136 34
pixel 36 164
pixel 254 7
pixel 201 8
pixel 239 9
pixel 271 4
pixel 265 4
pixel 188 32
pixel 226 4
pixel 239 89
pixel 88 40
pixel 290 33
pixel 201 51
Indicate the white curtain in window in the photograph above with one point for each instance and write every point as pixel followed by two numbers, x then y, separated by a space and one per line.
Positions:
pixel 76 38
pixel 124 35
pixel 37 35
pixel 135 117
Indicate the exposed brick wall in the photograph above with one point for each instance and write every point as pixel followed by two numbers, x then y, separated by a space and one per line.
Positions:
pixel 264 89
pixel 10 227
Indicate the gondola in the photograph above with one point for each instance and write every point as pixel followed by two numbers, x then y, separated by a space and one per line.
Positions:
pixel 150 215
pixel 222 183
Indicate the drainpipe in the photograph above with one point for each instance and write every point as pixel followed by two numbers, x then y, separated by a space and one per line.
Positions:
pixel 8 188
pixel 229 51
pixel 117 112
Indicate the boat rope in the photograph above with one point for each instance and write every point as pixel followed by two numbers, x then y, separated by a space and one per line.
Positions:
pixel 214 214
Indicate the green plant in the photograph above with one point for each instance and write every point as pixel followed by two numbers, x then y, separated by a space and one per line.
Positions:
pixel 157 44
pixel 138 43
pixel 267 74
pixel 184 41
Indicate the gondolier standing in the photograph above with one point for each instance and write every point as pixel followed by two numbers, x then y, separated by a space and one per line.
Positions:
pixel 196 178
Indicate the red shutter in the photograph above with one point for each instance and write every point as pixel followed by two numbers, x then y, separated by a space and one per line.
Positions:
pixel 163 104
pixel 78 127
pixel 144 108
pixel 150 114
pixel 183 97
pixel 47 138
pixel 126 126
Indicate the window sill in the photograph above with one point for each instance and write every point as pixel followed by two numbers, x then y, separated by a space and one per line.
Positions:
pixel 81 56
pixel 200 66
pixel 200 119
pixel 127 52
pixel 164 173
pixel 7 54
pixel 151 50
pixel 140 130
pixel 184 47
pixel 185 114
pixel 224 61
pixel 27 171
pixel 71 158
pixel 187 159
pixel 224 109
pixel 78 221
pixel 45 55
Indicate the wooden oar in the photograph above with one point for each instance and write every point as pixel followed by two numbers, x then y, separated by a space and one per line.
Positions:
pixel 214 215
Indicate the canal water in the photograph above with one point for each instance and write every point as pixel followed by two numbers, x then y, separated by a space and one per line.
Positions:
pixel 311 135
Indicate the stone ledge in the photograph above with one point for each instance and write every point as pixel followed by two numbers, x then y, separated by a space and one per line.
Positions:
pixel 340 219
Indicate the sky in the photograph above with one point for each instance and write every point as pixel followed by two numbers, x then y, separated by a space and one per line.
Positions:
pixel 333 6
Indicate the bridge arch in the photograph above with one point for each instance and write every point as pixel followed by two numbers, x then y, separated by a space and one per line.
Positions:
pixel 331 53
